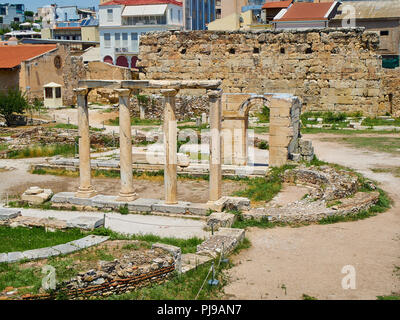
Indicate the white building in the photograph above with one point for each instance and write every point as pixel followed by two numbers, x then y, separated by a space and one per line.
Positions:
pixel 122 22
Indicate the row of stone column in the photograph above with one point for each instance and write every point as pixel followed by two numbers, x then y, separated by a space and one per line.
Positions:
pixel 127 192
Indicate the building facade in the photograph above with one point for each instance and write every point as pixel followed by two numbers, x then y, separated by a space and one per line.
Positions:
pixel 11 13
pixel 122 22
pixel 199 13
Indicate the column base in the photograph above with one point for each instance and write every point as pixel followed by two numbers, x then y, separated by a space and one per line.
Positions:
pixel 126 197
pixel 86 193
pixel 171 202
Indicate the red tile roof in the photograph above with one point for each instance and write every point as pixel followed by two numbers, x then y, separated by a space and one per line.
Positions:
pixel 140 2
pixel 307 11
pixel 277 4
pixel 12 56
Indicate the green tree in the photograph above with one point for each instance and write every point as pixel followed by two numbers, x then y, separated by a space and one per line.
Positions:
pixel 12 102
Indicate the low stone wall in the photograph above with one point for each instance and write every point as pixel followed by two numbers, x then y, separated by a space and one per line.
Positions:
pixel 117 286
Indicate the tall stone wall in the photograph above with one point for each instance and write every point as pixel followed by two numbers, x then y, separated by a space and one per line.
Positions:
pixel 329 70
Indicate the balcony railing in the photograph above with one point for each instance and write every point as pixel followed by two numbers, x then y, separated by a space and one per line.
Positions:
pixel 148 20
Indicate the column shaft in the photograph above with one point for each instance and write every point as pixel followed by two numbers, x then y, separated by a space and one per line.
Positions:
pixel 215 145
pixel 170 146
pixel 86 189
pixel 125 143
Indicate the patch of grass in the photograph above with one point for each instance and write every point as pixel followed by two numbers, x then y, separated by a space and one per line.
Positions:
pixel 43 151
pixel 11 275
pixel 21 239
pixel 264 189
pixel 380 122
pixel 393 170
pixel 123 209
pixel 378 144
pixel 335 130
pixel 187 245
pixel 64 126
pixel 136 122
pixel 307 297
pixel 391 297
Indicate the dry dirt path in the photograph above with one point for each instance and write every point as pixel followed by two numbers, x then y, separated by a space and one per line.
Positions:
pixel 285 263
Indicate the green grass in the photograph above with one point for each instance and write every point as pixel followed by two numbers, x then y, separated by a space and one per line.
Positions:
pixel 380 122
pixel 335 130
pixel 391 297
pixel 65 126
pixel 187 245
pixel 21 239
pixel 393 170
pixel 264 189
pixel 377 144
pixel 136 122
pixel 43 151
pixel 307 297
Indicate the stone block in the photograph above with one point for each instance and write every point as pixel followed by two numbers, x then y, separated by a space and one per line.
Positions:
pixel 179 208
pixel 221 219
pixel 176 252
pixel 3 257
pixel 200 209
pixel 143 205
pixel 14 256
pixel 65 248
pixel 8 213
pixel 40 253
pixel 85 222
pixel 36 195
pixel 106 202
pixel 88 241
pixel 70 198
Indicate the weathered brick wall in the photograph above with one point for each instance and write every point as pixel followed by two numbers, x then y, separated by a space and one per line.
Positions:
pixel 330 70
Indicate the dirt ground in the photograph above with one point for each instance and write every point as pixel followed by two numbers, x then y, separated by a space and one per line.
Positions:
pixel 16 181
pixel 285 263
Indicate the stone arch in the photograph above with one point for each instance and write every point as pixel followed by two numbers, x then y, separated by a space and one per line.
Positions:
pixel 250 102
pixel 122 61
pixel 134 60
pixel 108 59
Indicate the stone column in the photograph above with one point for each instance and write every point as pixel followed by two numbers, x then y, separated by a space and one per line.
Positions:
pixel 126 193
pixel 215 144
pixel 170 146
pixel 86 189
pixel 142 110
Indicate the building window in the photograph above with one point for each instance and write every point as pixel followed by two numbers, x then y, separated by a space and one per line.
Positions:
pixel 109 15
pixel 171 14
pixel 58 93
pixel 107 40
pixel 49 93
pixel 384 32
pixel 117 40
pixel 125 40
pixel 179 15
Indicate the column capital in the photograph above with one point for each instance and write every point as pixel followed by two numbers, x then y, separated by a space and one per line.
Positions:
pixel 123 92
pixel 81 91
pixel 169 92
pixel 214 93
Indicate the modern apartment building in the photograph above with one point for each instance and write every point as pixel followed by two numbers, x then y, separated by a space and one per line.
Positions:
pixel 11 13
pixel 122 22
pixel 198 13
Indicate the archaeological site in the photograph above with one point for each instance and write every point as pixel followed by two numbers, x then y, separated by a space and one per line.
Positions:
pixel 249 156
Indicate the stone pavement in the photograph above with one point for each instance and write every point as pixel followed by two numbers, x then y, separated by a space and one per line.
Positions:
pixel 182 228
pixel 60 249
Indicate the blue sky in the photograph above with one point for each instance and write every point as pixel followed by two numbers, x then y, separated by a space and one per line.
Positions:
pixel 33 4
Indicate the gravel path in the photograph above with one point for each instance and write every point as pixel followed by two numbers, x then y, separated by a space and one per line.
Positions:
pixel 285 263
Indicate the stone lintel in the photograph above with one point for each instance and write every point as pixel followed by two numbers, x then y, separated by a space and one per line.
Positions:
pixel 94 84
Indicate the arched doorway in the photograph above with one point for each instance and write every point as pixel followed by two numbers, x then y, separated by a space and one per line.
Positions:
pixel 108 59
pixel 256 140
pixel 134 61
pixel 122 61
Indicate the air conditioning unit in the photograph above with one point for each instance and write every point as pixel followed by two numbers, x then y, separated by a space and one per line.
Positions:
pixel 117 49
pixel 124 49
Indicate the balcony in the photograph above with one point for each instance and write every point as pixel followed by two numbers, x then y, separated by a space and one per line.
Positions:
pixel 145 20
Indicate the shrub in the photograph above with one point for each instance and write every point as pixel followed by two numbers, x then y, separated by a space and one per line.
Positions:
pixel 12 102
